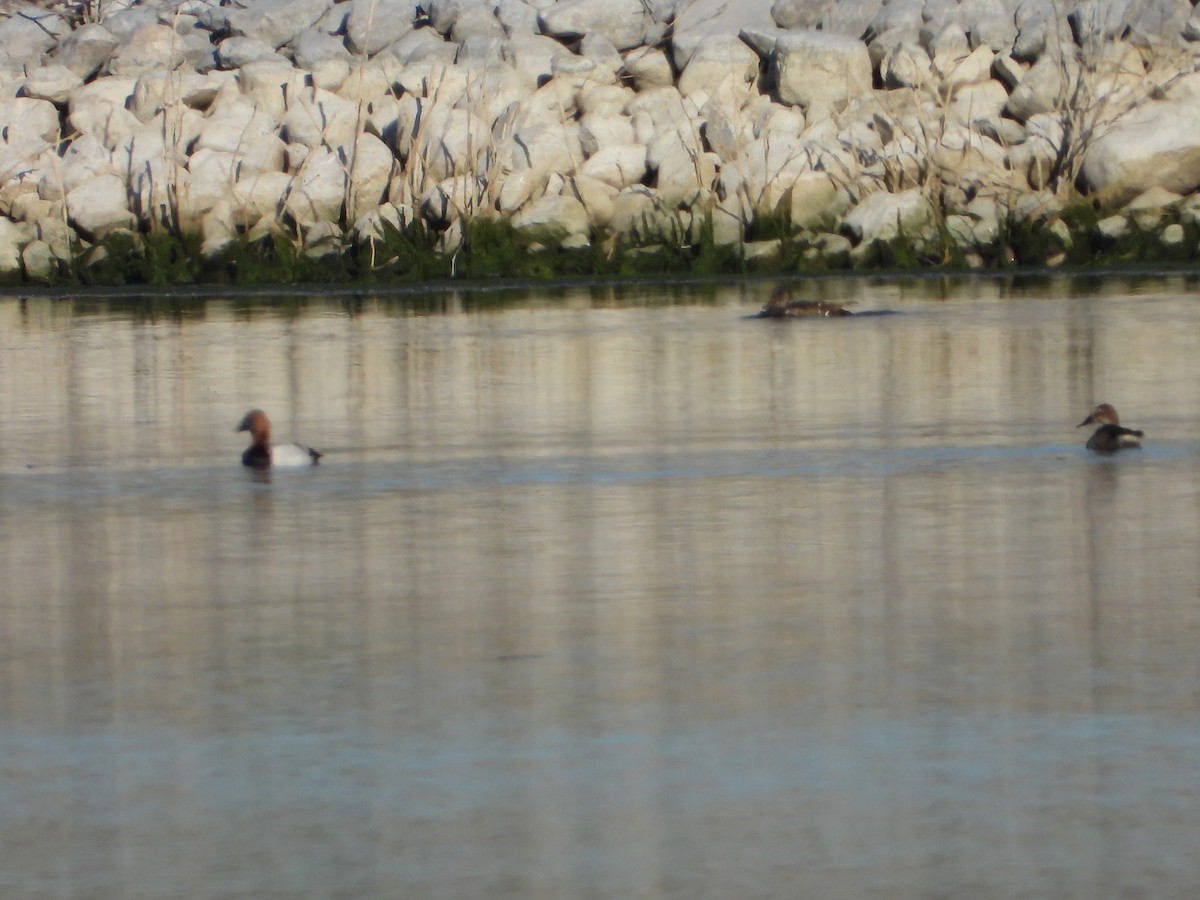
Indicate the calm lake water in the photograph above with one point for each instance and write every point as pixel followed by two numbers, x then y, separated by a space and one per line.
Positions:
pixel 603 593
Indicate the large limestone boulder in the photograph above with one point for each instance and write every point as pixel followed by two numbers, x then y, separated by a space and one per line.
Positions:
pixel 235 126
pixel 814 70
pixel 453 143
pixel 100 108
pixel 561 214
pixel 319 188
pixel 619 165
pixel 84 160
pixel 623 22
pixel 53 82
pixel 29 123
pixel 372 25
pixel 151 48
pixel 28 32
pixel 884 216
pixel 212 174
pixel 99 206
pixel 319 118
pixel 1157 145
pixel 261 196
pixel 717 59
pixel 86 49
pixel 370 174
pixel 274 22
pixel 817 200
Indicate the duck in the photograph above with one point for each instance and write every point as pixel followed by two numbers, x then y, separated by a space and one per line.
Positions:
pixel 781 305
pixel 261 453
pixel 1111 436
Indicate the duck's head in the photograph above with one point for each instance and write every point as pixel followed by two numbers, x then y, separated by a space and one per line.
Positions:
pixel 778 301
pixel 257 423
pixel 1101 415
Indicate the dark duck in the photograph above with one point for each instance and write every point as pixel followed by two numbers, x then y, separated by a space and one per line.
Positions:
pixel 1111 436
pixel 780 305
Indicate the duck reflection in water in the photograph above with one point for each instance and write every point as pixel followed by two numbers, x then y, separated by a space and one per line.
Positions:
pixel 1111 436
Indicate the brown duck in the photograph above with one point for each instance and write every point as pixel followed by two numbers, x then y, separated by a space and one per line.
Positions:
pixel 781 305
pixel 1111 436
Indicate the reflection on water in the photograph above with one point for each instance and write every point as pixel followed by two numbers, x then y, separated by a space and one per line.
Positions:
pixel 606 594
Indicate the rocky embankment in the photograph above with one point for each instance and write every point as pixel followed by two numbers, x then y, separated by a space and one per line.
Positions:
pixel 335 124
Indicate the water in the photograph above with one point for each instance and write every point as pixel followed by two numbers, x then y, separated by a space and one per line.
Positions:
pixel 602 593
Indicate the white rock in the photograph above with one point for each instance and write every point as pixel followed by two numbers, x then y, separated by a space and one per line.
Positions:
pixel 1113 227
pixel 154 91
pixel 563 215
pixel 1157 145
pixel 261 196
pixel 12 236
pixel 993 30
pixel 619 165
pixel 315 45
pixel 477 27
pixel 322 239
pixel 444 13
pixel 543 149
pixel 817 200
pixel 149 49
pixel 236 125
pixel 373 227
pixel 38 260
pixel 684 179
pixel 623 22
pixel 53 82
pixel 319 118
pixel 905 64
pixel 454 143
pixel 236 52
pixel 719 58
pixel 374 24
pixel 99 108
pixel 86 49
pixel 318 188
pixel 974 68
pixel 156 188
pixel 533 55
pixel 516 190
pixel 1041 89
pixel 452 199
pixel 28 32
pixel 370 174
pixel 597 131
pixel 649 68
pixel 29 124
pixel 813 69
pixel 275 22
pixel 597 198
pixel 884 216
pixel 516 16
pixel 99 206
pixel 271 85
pixel 212 175
pixel 974 101
pixel 84 160
pixel 603 99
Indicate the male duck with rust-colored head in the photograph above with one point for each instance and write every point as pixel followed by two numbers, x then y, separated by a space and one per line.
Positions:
pixel 781 305
pixel 262 454
pixel 1111 436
